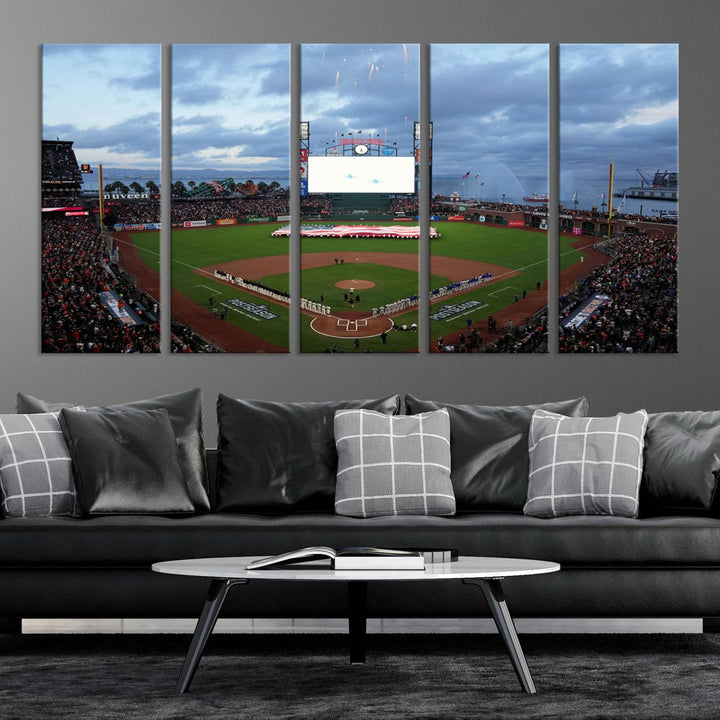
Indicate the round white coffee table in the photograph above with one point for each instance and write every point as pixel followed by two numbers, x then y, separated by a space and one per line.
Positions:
pixel 485 572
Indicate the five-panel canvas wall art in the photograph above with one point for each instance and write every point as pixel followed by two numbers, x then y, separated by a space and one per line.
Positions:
pixel 372 187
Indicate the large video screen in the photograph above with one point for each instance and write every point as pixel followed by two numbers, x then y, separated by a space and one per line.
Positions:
pixel 331 174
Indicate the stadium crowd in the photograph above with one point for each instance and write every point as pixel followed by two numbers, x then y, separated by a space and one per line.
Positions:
pixel 641 314
pixel 58 162
pixel 529 337
pixel 315 206
pixel 76 267
pixel 138 212
pixel 235 207
pixel 132 213
pixel 53 201
pixel 404 205
pixel 184 340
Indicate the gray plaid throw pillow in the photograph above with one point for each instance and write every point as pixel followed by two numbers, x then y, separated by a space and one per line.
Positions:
pixel 393 465
pixel 585 466
pixel 35 470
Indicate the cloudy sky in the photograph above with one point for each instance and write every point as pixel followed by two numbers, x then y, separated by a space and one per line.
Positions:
pixel 489 107
pixel 621 100
pixel 348 88
pixel 231 107
pixel 107 99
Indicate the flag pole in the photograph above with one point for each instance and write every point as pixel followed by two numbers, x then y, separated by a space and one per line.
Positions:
pixel 610 194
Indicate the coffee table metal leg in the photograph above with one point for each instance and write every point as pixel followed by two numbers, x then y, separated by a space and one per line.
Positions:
pixel 495 597
pixel 213 604
pixel 357 620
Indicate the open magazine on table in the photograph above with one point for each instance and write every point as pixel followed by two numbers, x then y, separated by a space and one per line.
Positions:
pixel 349 558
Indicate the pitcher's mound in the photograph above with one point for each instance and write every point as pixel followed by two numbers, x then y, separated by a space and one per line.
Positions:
pixel 355 284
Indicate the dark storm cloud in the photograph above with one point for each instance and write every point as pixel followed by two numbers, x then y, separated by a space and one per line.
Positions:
pixel 195 134
pixel 220 67
pixel 351 88
pixel 489 106
pixel 618 100
pixel 231 105
pixel 139 134
pixel 272 143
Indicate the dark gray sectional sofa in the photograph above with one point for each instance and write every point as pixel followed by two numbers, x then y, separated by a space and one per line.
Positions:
pixel 665 563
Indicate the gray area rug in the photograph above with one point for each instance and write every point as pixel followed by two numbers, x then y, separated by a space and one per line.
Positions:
pixel 408 676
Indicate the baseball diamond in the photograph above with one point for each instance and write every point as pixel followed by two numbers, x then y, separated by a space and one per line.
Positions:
pixel 511 259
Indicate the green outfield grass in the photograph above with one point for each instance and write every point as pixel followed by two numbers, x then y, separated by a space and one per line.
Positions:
pixel 148 246
pixel 513 248
pixel 568 255
pixel 204 247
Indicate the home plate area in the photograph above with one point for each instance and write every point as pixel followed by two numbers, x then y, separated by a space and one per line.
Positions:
pixel 348 324
pixel 351 325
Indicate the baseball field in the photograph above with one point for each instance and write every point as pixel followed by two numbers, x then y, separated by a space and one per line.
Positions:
pixel 378 270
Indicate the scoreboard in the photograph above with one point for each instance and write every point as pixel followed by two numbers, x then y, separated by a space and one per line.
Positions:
pixel 360 174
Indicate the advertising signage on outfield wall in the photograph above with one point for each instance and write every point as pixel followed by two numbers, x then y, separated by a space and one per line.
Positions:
pixel 119 227
pixel 126 196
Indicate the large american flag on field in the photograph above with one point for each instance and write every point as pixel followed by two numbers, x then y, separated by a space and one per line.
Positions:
pixel 340 231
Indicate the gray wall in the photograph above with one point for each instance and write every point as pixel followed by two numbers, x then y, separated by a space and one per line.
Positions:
pixel 612 383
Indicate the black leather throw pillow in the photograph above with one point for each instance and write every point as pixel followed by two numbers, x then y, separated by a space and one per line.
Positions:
pixel 682 462
pixel 125 462
pixel 489 450
pixel 185 411
pixel 277 458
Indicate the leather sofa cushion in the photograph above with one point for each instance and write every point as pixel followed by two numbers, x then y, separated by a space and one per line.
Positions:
pixel 276 457
pixel 682 462
pixel 125 462
pixel 185 411
pixel 489 450
pixel 138 541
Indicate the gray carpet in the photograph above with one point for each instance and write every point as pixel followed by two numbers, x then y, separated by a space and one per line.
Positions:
pixel 245 676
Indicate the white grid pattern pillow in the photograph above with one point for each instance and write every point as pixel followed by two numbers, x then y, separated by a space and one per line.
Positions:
pixel 393 465
pixel 585 466
pixel 35 468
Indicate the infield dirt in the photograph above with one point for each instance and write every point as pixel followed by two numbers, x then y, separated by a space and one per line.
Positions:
pixel 449 267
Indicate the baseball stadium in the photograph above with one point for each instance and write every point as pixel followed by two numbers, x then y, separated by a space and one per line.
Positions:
pixel 359 281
